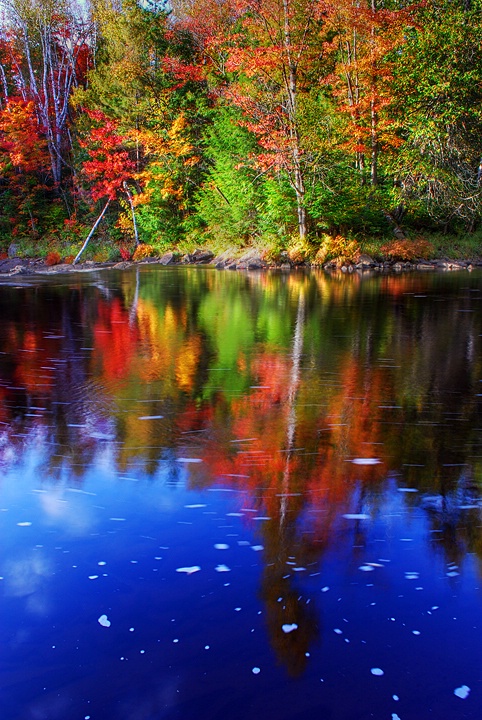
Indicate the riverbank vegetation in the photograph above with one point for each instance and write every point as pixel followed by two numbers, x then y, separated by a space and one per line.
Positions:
pixel 306 128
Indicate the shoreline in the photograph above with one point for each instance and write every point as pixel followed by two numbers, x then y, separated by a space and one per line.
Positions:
pixel 15 266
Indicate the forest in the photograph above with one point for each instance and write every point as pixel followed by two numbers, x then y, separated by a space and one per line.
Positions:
pixel 317 128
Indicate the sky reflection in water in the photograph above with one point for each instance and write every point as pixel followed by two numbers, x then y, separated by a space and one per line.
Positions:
pixel 223 495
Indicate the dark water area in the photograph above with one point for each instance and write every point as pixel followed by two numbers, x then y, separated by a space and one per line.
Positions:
pixel 236 496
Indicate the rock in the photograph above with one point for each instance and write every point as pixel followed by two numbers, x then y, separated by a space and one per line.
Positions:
pixel 452 264
pixel 167 259
pixel 19 270
pixel 365 261
pixel 425 266
pixel 201 256
pixel 256 264
pixel 12 250
pixel 285 266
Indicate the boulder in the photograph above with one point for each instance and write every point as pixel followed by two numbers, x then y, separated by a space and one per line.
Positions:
pixel 201 256
pixel 167 259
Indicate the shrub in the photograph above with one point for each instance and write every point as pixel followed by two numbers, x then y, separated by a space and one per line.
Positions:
pixel 125 253
pixel 53 258
pixel 405 249
pixel 143 251
pixel 339 248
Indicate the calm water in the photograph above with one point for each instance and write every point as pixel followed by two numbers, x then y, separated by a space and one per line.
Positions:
pixel 241 496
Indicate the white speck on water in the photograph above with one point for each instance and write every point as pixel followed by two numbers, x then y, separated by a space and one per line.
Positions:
pixel 102 563
pixel 453 573
pixel 338 631
pixel 395 716
pixel 416 632
pixel 325 589
pixel 221 546
pixel 188 570
pixel 104 621
pixel 406 539
pixel 176 640
pixel 237 609
pixel 434 607
pixel 150 417
pixel 234 514
pixel 411 576
pixel 377 671
pixel 196 505
pixel 356 516
pixel 407 490
pixel 24 524
pixel 366 461
pixel 288 628
pixel 222 568
pixel 93 577
pixel 134 562
pixel 298 569
pixel 396 698
pixel 188 460
pixel 366 568
pixel 256 670
pixel 116 519
pixel 131 629
pixel 262 517
pixel 257 548
pixel 462 692
pixel 242 543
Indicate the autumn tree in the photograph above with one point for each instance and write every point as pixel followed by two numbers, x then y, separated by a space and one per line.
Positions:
pixel 269 52
pixel 45 55
pixel 24 164
pixel 108 166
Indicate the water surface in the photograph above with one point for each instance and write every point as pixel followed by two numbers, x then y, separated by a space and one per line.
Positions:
pixel 225 494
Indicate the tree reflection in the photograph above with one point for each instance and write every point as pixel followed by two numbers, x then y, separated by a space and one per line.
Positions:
pixel 278 383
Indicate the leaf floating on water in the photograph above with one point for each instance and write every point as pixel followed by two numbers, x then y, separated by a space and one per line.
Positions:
pixel 287 628
pixel 366 461
pixel 462 692
pixel 104 621
pixel 188 570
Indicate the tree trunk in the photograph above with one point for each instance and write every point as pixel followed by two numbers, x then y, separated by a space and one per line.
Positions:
pixel 131 203
pixel 291 86
pixel 86 241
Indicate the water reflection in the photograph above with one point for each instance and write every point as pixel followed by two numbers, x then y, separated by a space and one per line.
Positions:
pixel 331 406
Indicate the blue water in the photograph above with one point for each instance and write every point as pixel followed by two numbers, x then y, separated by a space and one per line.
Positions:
pixel 160 561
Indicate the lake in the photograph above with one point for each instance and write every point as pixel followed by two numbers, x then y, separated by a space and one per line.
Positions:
pixel 229 495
